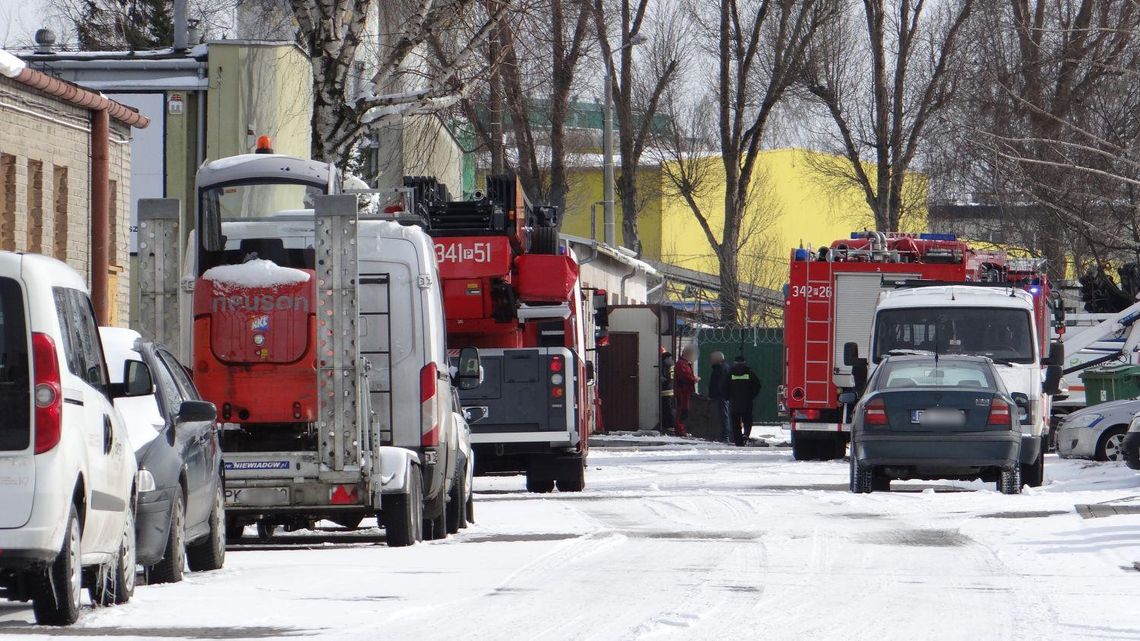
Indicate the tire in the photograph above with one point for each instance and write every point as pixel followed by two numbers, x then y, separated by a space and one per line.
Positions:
pixel 538 484
pixel 57 589
pixel 114 584
pixel 235 529
pixel 265 531
pixel 403 513
pixel 471 509
pixel 210 553
pixel 1009 482
pixel 573 478
pixel 1033 474
pixel 1108 448
pixel 544 240
pixel 457 504
pixel 169 569
pixel 860 478
pixel 880 482
pixel 803 449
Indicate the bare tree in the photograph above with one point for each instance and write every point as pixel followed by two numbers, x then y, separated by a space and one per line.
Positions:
pixel 636 97
pixel 881 108
pixel 760 49
pixel 1052 120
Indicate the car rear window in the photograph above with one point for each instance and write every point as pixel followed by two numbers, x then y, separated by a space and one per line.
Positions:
pixel 15 372
pixel 943 373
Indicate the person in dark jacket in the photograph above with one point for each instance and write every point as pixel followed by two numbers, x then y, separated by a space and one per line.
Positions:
pixel 685 385
pixel 718 392
pixel 743 386
pixel 667 408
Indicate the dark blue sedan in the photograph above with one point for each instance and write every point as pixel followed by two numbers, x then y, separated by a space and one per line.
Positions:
pixel 935 417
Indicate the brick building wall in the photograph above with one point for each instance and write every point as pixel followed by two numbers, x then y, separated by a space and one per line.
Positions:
pixel 45 185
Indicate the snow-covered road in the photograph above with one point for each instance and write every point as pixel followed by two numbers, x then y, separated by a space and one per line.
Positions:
pixel 688 542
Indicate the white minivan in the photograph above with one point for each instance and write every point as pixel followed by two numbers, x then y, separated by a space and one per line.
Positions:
pixel 67 469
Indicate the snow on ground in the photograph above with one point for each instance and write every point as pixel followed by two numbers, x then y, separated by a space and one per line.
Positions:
pixel 687 541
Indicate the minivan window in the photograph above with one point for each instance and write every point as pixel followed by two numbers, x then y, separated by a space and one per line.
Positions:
pixel 15 374
pixel 82 348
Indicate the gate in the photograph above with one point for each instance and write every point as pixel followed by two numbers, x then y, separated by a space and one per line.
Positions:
pixel 763 349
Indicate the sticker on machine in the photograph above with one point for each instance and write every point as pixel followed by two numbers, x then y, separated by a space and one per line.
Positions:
pixel 259 323
pixel 256 465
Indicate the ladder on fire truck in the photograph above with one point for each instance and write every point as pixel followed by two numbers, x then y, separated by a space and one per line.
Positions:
pixel 818 319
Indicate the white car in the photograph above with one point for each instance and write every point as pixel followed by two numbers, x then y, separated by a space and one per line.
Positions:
pixel 67 468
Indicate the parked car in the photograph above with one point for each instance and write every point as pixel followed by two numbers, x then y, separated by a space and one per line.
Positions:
pixel 68 491
pixel 1130 450
pixel 1096 432
pixel 181 503
pixel 935 417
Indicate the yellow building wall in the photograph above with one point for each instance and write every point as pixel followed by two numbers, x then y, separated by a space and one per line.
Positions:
pixel 797 199
pixel 257 90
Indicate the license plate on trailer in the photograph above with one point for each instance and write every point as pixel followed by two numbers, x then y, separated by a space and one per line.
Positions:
pixel 258 496
pixel 938 416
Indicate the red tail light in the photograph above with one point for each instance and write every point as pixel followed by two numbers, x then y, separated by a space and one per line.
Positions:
pixel 429 428
pixel 48 393
pixel 1000 413
pixel 875 412
pixel 555 363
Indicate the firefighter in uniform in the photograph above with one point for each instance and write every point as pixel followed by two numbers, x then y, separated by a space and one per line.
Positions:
pixel 743 387
pixel 666 372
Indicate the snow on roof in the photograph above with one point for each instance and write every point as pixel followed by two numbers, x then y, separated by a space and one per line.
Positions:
pixel 10 65
pixel 620 254
pixel 256 273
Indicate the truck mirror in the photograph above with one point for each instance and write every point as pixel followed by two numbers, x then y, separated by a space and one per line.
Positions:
pixel 1056 353
pixel 850 354
pixel 848 398
pixel 470 370
pixel 1052 383
pixel 859 371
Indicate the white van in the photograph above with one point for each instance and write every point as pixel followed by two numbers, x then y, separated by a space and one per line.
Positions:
pixel 67 469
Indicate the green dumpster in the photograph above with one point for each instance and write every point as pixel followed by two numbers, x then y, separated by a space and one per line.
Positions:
pixel 1110 383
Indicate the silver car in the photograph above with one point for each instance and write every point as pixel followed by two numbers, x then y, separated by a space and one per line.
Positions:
pixel 1096 432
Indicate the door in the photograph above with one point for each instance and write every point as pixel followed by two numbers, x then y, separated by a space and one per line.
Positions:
pixel 195 443
pixel 17 461
pixel 87 408
pixel 618 382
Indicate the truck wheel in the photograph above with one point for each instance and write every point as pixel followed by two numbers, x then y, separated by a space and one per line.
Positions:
pixel 880 482
pixel 210 553
pixel 538 483
pixel 802 449
pixel 1010 481
pixel 471 509
pixel 573 478
pixel 235 529
pixel 1033 474
pixel 114 583
pixel 457 504
pixel 403 513
pixel 435 518
pixel 56 589
pixel 266 531
pixel 169 569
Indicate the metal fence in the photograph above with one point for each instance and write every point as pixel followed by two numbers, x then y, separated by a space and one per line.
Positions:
pixel 763 349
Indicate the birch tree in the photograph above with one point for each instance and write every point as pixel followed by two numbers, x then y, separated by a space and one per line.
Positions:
pixel 882 76
pixel 403 83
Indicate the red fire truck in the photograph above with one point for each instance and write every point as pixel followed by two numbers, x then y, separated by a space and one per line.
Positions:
pixel 512 290
pixel 831 301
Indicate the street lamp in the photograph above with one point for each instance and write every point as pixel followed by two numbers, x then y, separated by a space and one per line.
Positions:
pixel 609 230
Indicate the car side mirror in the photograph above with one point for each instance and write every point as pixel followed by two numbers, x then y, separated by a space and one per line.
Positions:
pixel 1056 354
pixel 469 374
pixel 850 354
pixel 136 381
pixel 196 412
pixel 848 398
pixel 1052 382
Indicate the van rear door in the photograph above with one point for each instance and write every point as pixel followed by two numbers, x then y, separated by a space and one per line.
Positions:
pixel 17 461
